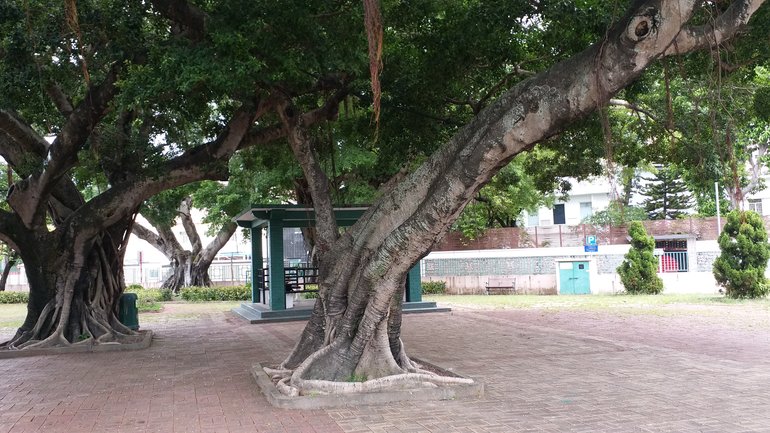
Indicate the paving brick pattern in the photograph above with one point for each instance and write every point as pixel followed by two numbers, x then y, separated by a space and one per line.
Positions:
pixel 544 372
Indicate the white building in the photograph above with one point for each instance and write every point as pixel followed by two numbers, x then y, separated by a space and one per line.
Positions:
pixel 759 201
pixel 585 198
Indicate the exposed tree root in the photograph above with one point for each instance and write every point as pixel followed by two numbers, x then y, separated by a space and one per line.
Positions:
pixel 425 379
pixel 391 374
pixel 94 326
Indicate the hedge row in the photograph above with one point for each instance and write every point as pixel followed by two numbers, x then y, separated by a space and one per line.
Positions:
pixel 433 287
pixel 223 293
pixel 154 295
pixel 148 300
pixel 14 297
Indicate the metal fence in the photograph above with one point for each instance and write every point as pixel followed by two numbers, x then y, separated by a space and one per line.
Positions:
pixel 673 261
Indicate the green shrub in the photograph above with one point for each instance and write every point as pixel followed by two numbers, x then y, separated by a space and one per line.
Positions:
pixel 740 268
pixel 224 293
pixel 433 287
pixel 639 270
pixel 14 297
pixel 310 295
pixel 149 299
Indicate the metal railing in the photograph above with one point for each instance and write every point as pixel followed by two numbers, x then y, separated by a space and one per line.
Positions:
pixel 673 261
pixel 297 279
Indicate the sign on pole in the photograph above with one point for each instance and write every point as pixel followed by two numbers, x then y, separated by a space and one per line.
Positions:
pixel 591 246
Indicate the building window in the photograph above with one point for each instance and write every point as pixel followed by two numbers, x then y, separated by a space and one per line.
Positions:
pixel 755 204
pixel 586 210
pixel 533 220
pixel 673 255
pixel 153 274
pixel 558 214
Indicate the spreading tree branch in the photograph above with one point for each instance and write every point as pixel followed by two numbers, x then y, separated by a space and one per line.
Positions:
pixel 223 235
pixel 633 107
pixel 60 99
pixel 533 110
pixel 725 26
pixel 187 15
pixel 318 183
pixel 164 241
pixel 29 196
pixel 18 141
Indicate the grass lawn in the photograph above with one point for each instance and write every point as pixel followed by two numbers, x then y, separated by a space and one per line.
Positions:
pixel 12 315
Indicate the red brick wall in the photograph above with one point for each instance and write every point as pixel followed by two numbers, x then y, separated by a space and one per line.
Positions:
pixel 570 236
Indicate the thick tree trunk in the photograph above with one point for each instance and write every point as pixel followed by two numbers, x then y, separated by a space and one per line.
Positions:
pixel 75 286
pixel 187 272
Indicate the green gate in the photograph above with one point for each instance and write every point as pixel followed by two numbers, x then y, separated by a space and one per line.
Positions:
pixel 574 278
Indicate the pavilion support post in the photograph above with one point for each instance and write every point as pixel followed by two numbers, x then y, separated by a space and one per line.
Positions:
pixel 275 248
pixel 257 264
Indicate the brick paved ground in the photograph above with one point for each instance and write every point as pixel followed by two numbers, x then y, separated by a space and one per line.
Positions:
pixel 544 371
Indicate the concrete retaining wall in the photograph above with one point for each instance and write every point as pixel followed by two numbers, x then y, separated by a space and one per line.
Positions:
pixel 534 269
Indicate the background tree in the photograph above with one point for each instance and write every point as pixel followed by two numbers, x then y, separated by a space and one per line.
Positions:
pixel 667 195
pixel 616 214
pixel 740 267
pixel 639 270
pixel 10 259
pixel 501 202
pixel 188 267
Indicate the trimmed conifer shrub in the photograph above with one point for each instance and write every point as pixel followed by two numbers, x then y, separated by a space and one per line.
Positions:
pixel 740 268
pixel 639 270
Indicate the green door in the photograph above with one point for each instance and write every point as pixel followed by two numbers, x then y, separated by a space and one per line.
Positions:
pixel 574 278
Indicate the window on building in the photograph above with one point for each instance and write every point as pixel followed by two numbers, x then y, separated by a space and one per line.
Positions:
pixel 533 220
pixel 586 210
pixel 755 204
pixel 674 256
pixel 153 274
pixel 558 214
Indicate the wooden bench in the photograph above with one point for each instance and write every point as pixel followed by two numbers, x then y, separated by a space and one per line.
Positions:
pixel 501 286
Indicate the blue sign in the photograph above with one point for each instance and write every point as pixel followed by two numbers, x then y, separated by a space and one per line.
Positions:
pixel 591 248
pixel 591 240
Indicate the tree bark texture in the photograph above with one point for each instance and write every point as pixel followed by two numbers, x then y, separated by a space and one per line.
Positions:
pixel 355 328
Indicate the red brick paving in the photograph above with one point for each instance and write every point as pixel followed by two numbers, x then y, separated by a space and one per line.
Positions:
pixel 544 371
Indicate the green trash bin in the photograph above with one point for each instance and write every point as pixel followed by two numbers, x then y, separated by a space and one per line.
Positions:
pixel 128 314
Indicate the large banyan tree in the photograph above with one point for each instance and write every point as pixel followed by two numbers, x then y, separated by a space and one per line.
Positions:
pixel 184 87
pixel 104 105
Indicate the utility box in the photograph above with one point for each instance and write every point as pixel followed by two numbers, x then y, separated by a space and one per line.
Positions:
pixel 128 313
